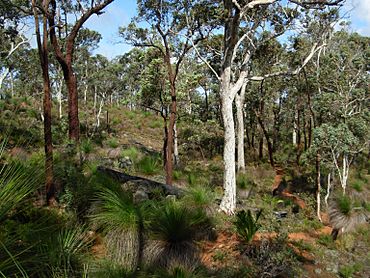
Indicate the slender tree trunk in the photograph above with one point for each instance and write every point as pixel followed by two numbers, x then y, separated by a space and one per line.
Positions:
pixel 228 203
pixel 74 123
pixel 170 138
pixel 44 61
pixel 318 186
pixel 206 103
pixel 175 147
pixel 239 101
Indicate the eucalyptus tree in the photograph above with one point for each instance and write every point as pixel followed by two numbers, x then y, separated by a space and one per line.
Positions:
pixel 42 45
pixel 341 103
pixel 11 38
pixel 65 49
pixel 244 22
pixel 169 32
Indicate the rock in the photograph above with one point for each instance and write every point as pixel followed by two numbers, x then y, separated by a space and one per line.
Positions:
pixel 114 153
pixel 171 197
pixel 140 196
pixel 125 163
pixel 281 214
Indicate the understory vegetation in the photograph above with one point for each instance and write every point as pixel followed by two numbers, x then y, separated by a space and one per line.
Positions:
pixel 231 139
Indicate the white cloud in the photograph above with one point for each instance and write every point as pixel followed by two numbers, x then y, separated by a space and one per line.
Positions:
pixel 359 11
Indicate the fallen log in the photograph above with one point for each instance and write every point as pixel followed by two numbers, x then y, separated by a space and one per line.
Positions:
pixel 141 183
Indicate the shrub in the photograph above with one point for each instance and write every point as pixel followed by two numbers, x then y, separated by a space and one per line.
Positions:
pixel 344 204
pixel 173 229
pixel 243 181
pixel 273 258
pixel 113 143
pixel 115 213
pixel 199 197
pixel 86 146
pixel 148 165
pixel 246 225
pixel 132 152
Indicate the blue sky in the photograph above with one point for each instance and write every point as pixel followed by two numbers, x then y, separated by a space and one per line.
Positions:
pixel 120 12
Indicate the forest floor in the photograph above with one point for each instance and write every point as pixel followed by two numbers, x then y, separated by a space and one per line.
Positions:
pixel 309 248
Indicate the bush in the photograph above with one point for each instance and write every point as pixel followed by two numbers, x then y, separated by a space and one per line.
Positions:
pixel 199 197
pixel 344 204
pixel 273 258
pixel 113 143
pixel 246 225
pixel 86 146
pixel 173 229
pixel 244 182
pixel 132 152
pixel 148 165
pixel 116 214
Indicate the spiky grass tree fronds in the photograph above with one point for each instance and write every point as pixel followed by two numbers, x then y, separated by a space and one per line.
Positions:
pixel 346 212
pixel 199 197
pixel 246 225
pixel 64 252
pixel 173 229
pixel 17 182
pixel 116 214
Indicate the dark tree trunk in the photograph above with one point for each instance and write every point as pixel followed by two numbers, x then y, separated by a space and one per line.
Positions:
pixel 64 57
pixel 44 62
pixel 74 123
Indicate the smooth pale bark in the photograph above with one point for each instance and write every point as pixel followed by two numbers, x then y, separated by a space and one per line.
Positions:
pixel 318 186
pixel 328 190
pixel 239 101
pixel 228 203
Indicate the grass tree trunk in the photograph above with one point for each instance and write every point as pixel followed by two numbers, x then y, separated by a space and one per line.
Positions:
pixel 239 101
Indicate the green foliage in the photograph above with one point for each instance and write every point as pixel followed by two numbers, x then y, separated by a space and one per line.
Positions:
pixel 347 271
pixel 117 216
pixel 176 174
pixel 246 225
pixel 148 165
pixel 344 204
pixel 155 124
pixel 132 152
pixel 86 146
pixel 199 197
pixel 326 240
pixel 17 182
pixel 192 178
pixel 358 185
pixel 113 143
pixel 244 182
pixel 173 229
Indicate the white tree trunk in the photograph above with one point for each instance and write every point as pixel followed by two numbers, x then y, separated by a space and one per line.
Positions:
pixel 3 76
pixel 99 112
pixel 295 128
pixel 239 100
pixel 328 191
pixel 228 203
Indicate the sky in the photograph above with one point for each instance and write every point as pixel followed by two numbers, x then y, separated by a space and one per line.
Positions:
pixel 120 12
